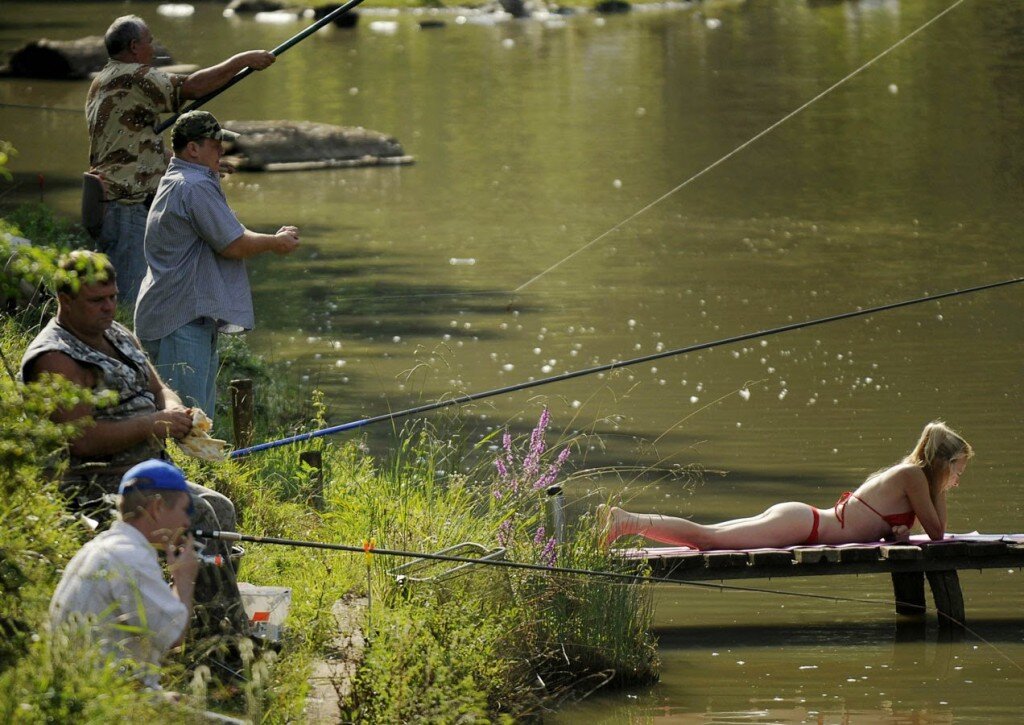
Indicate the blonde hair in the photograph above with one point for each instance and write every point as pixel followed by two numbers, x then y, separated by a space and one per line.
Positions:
pixel 936 449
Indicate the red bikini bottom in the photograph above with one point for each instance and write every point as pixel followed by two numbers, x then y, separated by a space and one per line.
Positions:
pixel 813 538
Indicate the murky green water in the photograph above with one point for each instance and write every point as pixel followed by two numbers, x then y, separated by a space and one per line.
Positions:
pixel 539 144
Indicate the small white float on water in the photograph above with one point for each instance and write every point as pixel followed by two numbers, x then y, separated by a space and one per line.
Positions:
pixel 175 10
pixel 385 27
pixel 277 17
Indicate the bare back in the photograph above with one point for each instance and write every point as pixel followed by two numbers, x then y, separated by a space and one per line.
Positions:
pixel 869 513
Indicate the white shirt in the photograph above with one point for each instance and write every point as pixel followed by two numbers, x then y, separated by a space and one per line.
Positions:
pixel 115 584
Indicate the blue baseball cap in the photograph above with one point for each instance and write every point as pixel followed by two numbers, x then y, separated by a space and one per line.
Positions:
pixel 155 474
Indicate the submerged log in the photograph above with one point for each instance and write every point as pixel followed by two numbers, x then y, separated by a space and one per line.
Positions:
pixel 300 145
pixel 66 59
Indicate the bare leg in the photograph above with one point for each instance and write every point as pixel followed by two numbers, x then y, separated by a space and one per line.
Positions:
pixel 616 522
pixel 784 524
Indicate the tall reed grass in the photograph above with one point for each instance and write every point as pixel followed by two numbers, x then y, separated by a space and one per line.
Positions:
pixel 491 644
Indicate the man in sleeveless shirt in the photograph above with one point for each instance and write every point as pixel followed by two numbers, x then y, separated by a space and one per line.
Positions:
pixel 122 108
pixel 84 344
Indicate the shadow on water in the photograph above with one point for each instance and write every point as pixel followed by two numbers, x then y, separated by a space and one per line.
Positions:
pixel 702 637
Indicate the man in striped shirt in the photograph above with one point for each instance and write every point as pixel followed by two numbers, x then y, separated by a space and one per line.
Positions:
pixel 196 285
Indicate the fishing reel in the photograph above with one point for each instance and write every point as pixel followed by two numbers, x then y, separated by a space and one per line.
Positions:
pixel 207 559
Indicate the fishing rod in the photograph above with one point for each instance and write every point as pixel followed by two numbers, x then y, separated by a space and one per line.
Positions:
pixel 368 549
pixel 504 563
pixel 739 148
pixel 467 398
pixel 246 72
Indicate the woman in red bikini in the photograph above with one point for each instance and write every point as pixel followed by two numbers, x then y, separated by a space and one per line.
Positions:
pixel 884 506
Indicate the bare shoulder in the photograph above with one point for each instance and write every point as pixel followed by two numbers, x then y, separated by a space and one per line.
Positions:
pixel 909 475
pixel 58 363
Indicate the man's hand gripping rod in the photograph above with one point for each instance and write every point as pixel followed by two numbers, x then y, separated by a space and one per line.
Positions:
pixel 244 73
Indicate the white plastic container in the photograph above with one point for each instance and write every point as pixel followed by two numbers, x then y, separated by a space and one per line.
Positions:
pixel 266 608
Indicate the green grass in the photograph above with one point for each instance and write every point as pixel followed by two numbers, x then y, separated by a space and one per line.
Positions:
pixel 493 644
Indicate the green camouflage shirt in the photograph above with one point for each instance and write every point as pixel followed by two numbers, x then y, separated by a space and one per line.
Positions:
pixel 123 107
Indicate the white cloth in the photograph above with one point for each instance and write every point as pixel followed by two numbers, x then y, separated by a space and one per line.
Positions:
pixel 115 584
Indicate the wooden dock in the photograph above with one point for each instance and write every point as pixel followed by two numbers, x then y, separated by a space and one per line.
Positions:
pixel 909 564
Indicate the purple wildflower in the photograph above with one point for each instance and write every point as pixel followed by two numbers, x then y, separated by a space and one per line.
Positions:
pixel 502 468
pixel 548 478
pixel 549 554
pixel 538 536
pixel 505 532
pixel 532 460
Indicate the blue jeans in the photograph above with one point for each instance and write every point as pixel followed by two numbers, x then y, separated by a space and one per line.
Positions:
pixel 187 360
pixel 121 239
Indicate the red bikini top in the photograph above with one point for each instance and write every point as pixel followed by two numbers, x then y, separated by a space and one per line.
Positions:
pixel 902 519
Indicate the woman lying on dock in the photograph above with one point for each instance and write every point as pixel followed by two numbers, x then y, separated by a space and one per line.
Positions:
pixel 884 506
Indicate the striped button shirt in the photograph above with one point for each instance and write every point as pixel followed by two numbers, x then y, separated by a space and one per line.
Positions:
pixel 188 225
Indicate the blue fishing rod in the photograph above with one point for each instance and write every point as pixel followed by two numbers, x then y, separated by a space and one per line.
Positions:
pixel 468 398
pixel 246 72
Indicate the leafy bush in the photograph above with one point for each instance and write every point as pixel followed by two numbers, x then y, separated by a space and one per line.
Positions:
pixel 491 644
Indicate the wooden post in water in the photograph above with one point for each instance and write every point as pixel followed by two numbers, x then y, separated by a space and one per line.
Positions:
pixel 908 590
pixel 315 460
pixel 242 411
pixel 949 599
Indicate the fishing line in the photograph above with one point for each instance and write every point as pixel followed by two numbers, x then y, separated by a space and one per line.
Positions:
pixel 60 109
pixel 467 398
pixel 593 573
pixel 504 563
pixel 736 150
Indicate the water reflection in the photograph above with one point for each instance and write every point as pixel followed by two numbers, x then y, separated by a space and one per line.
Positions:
pixel 903 181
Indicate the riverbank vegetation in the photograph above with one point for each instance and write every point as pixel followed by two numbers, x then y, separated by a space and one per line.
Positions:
pixel 491 644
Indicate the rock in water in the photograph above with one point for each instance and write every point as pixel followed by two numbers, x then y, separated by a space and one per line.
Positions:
pixel 65 59
pixel 345 20
pixel 297 145
pixel 612 6
pixel 251 7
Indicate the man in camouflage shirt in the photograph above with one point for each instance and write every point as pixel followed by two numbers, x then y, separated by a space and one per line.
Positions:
pixel 122 109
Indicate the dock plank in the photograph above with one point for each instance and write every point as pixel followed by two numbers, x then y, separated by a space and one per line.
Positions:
pixel 900 552
pixel 908 564
pixel 816 555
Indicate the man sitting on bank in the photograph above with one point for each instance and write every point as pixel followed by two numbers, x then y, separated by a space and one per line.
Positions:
pixel 84 344
pixel 114 584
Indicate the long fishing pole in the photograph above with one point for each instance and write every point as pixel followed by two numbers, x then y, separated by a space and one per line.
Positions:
pixel 467 398
pixel 597 573
pixel 738 149
pixel 246 72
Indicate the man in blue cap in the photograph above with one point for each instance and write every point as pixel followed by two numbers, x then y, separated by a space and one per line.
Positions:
pixel 115 584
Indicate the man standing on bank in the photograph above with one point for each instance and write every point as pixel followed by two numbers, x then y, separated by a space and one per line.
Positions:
pixel 122 110
pixel 196 285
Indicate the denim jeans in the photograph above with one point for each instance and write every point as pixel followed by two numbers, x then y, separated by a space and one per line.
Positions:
pixel 121 239
pixel 187 361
